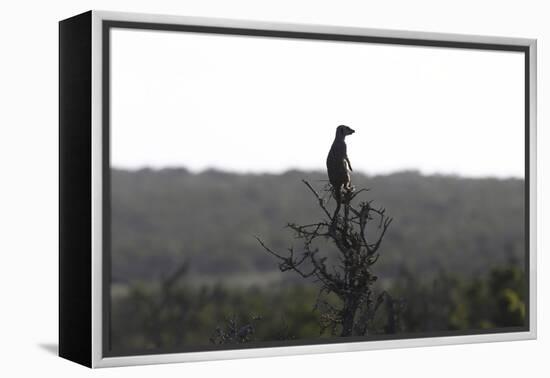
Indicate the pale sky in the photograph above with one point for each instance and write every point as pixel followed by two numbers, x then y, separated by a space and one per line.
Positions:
pixel 253 104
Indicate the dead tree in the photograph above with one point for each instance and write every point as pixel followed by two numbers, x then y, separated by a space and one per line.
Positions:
pixel 357 235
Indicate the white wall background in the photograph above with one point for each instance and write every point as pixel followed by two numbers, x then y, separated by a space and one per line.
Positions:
pixel 28 207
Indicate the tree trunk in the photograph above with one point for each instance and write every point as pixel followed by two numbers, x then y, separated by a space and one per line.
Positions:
pixel 348 316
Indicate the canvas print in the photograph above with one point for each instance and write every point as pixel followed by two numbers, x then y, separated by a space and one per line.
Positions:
pixel 276 191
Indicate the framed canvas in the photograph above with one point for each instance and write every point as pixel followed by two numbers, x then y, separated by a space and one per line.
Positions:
pixel 238 188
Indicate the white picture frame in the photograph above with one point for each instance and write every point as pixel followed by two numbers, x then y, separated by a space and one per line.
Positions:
pixel 82 274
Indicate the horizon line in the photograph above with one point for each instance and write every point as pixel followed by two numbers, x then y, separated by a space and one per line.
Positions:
pixel 315 171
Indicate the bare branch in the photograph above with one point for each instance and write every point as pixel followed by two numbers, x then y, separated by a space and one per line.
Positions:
pixel 321 201
pixel 351 279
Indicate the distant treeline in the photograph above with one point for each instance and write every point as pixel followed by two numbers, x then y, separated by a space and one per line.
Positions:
pixel 441 223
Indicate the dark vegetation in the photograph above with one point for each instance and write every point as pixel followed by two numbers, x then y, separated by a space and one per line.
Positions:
pixel 187 270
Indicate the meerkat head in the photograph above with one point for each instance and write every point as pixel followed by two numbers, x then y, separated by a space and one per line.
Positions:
pixel 342 131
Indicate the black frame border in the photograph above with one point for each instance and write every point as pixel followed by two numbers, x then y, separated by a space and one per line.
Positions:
pixel 107 25
pixel 75 192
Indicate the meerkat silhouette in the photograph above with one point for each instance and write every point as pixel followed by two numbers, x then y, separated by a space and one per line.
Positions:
pixel 338 165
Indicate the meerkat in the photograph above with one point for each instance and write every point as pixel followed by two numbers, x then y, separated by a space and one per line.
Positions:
pixel 338 165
